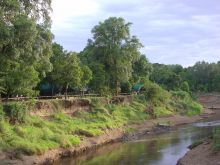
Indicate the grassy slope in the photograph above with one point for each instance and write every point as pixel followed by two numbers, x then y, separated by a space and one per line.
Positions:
pixel 36 135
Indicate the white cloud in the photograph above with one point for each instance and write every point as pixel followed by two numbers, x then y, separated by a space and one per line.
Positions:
pixel 172 31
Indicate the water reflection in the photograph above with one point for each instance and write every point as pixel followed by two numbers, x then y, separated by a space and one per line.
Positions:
pixel 161 149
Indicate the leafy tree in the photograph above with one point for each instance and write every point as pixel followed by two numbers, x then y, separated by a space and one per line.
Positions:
pixel 114 48
pixel 141 68
pixel 168 76
pixel 25 44
pixel 204 76
pixel 100 79
pixel 185 86
pixel 86 77
pixel 67 71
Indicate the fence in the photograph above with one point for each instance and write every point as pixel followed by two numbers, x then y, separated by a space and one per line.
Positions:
pixel 56 97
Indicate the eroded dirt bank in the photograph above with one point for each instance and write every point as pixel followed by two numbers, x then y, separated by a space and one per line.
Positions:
pixel 149 126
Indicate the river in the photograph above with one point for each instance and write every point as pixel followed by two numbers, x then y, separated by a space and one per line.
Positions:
pixel 160 149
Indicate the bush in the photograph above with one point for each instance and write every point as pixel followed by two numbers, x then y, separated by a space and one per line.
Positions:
pixel 15 111
pixel 1 112
pixel 180 94
pixel 184 103
pixel 155 93
pixel 216 139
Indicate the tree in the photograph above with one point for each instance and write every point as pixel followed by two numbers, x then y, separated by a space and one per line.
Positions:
pixel 185 86
pixel 168 76
pixel 114 48
pixel 67 71
pixel 86 77
pixel 25 44
pixel 141 68
pixel 100 79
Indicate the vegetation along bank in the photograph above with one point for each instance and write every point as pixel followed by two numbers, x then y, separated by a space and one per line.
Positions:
pixel 41 127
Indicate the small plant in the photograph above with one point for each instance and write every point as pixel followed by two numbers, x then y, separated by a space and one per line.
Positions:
pixel 15 111
pixel 195 144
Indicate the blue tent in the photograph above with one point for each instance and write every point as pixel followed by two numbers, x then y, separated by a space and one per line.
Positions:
pixel 137 87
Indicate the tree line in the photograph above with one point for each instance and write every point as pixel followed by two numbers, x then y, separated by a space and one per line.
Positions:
pixel 110 63
pixel 203 77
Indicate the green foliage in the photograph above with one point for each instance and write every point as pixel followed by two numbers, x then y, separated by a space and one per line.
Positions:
pixel 216 139
pixel 141 68
pixel 185 86
pixel 87 76
pixel 114 50
pixel 15 111
pixel 1 112
pixel 155 93
pixel 126 87
pixel 204 76
pixel 168 76
pixel 66 68
pixel 195 144
pixel 162 111
pixel 183 103
pixel 25 45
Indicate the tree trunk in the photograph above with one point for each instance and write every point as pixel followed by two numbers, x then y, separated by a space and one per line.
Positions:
pixel 52 90
pixel 117 87
pixel 66 89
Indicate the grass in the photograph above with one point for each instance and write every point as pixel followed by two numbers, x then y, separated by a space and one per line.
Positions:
pixel 216 139
pixel 195 144
pixel 36 135
pixel 183 103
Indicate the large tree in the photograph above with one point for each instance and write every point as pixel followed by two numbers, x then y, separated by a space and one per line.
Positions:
pixel 66 71
pixel 114 48
pixel 25 44
pixel 141 69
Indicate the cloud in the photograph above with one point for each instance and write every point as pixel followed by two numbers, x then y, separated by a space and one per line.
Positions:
pixel 172 31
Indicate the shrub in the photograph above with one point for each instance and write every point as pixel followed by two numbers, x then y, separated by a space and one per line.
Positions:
pixel 1 112
pixel 15 111
pixel 216 139
pixel 180 94
pixel 155 93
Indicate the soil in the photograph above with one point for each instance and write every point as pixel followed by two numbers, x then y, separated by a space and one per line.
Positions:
pixel 201 155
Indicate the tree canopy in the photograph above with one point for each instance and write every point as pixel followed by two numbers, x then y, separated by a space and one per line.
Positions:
pixel 110 63
pixel 113 48
pixel 25 44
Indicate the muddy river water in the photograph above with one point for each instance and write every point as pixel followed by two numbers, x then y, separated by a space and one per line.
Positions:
pixel 160 149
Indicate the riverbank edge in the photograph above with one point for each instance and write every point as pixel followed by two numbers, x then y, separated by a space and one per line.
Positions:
pixel 114 135
pixel 200 155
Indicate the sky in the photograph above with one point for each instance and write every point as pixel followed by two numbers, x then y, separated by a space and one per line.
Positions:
pixel 172 31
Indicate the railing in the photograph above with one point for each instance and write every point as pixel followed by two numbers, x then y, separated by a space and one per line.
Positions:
pixel 56 97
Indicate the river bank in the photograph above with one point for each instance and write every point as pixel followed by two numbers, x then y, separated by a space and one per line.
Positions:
pixel 203 154
pixel 112 135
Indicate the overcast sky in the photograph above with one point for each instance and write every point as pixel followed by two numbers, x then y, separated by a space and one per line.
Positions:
pixel 172 31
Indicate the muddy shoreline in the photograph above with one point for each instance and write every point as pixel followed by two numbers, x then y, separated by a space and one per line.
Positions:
pixel 201 155
pixel 148 127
